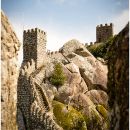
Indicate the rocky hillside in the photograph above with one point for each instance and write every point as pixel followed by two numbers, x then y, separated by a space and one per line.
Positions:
pixel 9 74
pixel 83 92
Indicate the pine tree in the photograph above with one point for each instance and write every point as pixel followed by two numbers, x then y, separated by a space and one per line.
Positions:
pixel 58 78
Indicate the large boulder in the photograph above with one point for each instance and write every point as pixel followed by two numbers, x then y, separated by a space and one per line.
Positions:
pixel 92 70
pixel 76 77
pixel 74 83
pixel 118 80
pixel 98 97
pixel 9 74
pixel 75 46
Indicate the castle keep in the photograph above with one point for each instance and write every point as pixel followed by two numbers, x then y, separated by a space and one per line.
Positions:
pixel 103 33
pixel 34 46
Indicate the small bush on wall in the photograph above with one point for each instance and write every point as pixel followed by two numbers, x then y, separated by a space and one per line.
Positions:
pixel 58 78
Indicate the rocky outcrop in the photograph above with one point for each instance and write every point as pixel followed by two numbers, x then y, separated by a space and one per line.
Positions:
pixel 9 74
pixel 118 80
pixel 73 85
pixel 92 71
pixel 98 97
pixel 85 84
pixel 76 47
pixel 92 115
pixel 83 74
pixel 70 119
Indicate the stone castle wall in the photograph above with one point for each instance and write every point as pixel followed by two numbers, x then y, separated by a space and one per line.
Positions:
pixel 33 102
pixel 51 53
pixel 103 33
pixel 34 46
pixel 56 56
pixel 32 99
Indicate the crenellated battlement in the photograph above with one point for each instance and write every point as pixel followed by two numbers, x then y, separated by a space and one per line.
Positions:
pixel 106 25
pixel 28 68
pixel 104 32
pixel 34 102
pixel 36 30
pixel 45 118
pixel 86 44
pixel 91 43
pixel 50 53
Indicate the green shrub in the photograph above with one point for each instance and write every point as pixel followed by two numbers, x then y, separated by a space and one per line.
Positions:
pixel 58 78
pixel 100 49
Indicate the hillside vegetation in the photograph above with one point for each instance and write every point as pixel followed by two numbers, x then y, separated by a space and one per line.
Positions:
pixel 100 49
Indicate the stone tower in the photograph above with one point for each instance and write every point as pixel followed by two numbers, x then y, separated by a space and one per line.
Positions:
pixel 34 46
pixel 103 33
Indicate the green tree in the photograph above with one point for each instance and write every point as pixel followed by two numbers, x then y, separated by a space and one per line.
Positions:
pixel 58 78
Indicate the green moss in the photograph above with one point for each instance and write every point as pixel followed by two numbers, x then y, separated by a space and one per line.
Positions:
pixel 96 121
pixel 95 116
pixel 104 114
pixel 102 111
pixel 68 118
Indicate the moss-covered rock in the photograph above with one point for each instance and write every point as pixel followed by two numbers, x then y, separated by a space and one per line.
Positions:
pixel 94 119
pixel 68 117
pixel 94 122
pixel 105 115
pixel 102 111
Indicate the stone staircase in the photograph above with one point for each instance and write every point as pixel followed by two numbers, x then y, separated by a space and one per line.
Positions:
pixel 40 113
pixel 44 119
